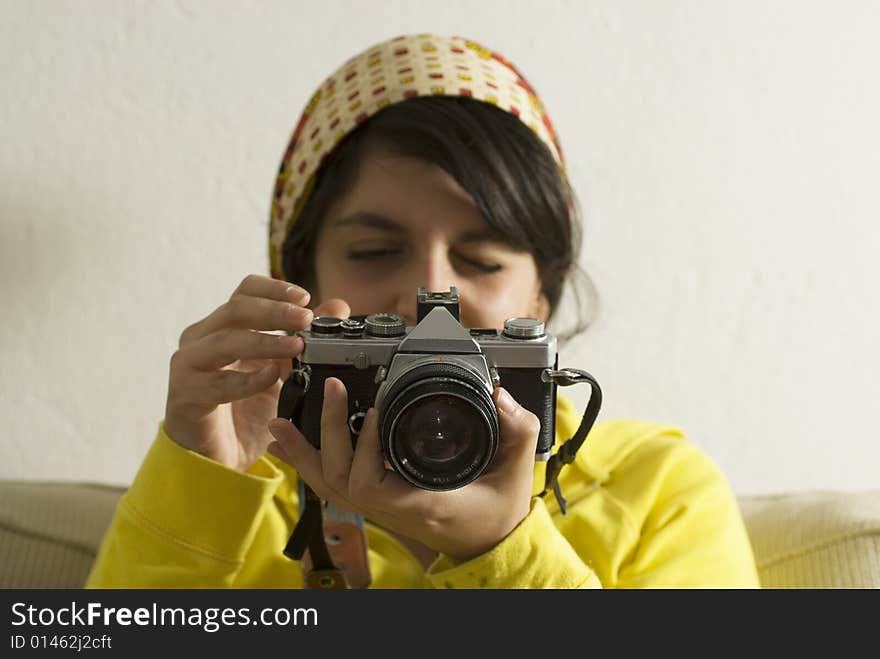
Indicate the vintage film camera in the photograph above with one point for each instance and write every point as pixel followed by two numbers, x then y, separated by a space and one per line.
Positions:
pixel 431 384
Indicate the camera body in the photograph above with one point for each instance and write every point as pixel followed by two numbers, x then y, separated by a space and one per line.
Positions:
pixel 431 383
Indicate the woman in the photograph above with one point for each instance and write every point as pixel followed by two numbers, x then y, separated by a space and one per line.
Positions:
pixel 424 161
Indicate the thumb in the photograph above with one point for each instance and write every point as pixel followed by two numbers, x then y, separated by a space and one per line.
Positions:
pixel 333 307
pixel 519 431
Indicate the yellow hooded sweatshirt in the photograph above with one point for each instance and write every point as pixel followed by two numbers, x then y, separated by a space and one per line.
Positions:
pixel 646 509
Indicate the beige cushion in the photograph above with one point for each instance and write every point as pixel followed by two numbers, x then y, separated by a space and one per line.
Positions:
pixel 815 539
pixel 50 532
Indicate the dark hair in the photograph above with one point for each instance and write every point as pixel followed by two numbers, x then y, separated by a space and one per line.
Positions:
pixel 498 160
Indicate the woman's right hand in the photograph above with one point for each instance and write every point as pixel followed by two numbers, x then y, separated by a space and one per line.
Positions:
pixel 226 375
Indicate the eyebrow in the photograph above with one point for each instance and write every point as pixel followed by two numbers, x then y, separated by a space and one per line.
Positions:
pixel 385 223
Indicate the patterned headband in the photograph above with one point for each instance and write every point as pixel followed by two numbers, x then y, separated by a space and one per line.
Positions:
pixel 387 73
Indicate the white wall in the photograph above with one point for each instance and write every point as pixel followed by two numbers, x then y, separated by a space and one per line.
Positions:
pixel 726 155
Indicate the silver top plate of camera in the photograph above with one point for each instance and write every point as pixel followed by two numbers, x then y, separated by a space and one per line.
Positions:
pixel 438 333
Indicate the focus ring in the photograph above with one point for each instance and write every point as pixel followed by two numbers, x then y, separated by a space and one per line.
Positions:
pixel 415 384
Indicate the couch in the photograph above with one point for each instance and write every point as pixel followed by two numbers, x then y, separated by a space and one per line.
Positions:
pixel 50 532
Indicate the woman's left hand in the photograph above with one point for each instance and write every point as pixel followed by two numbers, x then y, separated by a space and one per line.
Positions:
pixel 461 523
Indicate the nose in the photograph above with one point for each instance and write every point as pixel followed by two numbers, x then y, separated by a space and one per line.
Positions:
pixel 432 271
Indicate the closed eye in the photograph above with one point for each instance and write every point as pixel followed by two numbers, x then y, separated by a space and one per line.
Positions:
pixel 367 254
pixel 378 254
pixel 482 266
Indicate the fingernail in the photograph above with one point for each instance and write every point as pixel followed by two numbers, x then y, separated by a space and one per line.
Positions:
pixel 298 294
pixel 299 314
pixel 293 343
pixel 505 401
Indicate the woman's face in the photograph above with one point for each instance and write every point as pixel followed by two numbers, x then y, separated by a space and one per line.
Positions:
pixel 405 224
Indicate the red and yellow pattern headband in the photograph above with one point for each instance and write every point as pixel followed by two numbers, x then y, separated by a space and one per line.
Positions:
pixel 384 74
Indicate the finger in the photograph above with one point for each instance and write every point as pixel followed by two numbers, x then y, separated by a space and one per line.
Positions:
pixel 371 484
pixel 333 307
pixel 291 447
pixel 369 479
pixel 285 366
pixel 214 388
pixel 336 449
pixel 519 431
pixel 229 345
pixel 248 312
pixel 273 289
pixel 249 365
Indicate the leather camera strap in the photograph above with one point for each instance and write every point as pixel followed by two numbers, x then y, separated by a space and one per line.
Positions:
pixel 342 564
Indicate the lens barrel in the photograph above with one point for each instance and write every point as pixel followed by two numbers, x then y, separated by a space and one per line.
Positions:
pixel 439 427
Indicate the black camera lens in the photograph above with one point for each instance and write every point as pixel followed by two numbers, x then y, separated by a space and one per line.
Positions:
pixel 440 431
